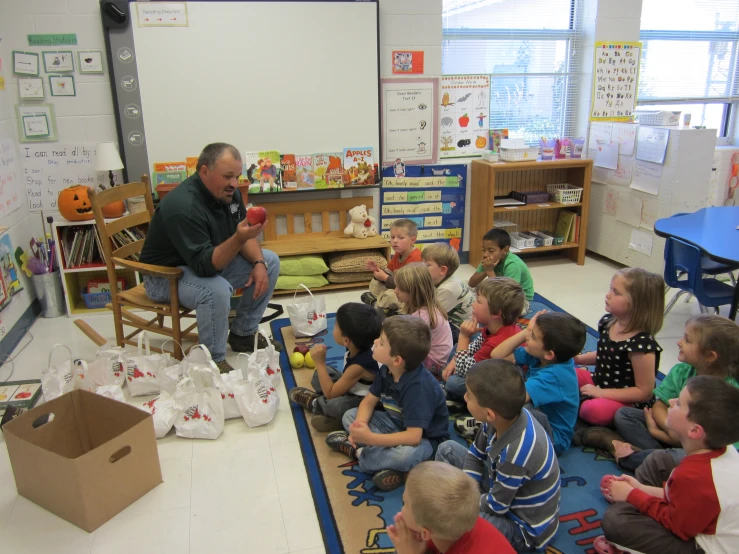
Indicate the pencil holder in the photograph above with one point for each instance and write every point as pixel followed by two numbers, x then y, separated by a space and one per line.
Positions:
pixel 547 148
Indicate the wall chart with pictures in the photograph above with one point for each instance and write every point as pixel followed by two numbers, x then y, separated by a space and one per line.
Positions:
pixel 464 116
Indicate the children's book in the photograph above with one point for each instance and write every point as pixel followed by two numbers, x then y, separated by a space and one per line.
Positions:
pixel 359 167
pixel 289 176
pixel 304 171
pixel 565 224
pixel 169 177
pixel 251 168
pixel 269 172
pixel 325 165
pixel 191 163
pixel 496 135
pixel 163 167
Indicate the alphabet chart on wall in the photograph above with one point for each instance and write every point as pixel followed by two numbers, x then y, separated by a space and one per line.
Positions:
pixel 464 116
pixel 615 80
pixel 432 196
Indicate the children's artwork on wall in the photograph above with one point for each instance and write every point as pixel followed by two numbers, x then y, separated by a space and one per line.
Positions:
pixel 58 62
pixel 407 62
pixel 36 122
pixel 10 285
pixel 90 61
pixel 432 196
pixel 25 63
pixel 464 116
pixel 62 85
pixel 31 88
pixel 10 179
pixel 615 80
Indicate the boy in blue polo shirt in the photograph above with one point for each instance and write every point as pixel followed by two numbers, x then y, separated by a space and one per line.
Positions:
pixel 415 419
pixel 552 340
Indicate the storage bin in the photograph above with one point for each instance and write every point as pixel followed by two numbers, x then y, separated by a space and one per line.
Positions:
pixel 519 154
pixel 565 193
pixel 546 239
pixel 96 300
pixel 519 240
pixel 531 197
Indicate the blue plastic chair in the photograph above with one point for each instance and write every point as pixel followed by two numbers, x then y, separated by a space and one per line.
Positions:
pixel 684 260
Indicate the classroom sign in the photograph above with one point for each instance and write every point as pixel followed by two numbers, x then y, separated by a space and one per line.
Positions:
pixel 464 116
pixel 431 196
pixel 615 80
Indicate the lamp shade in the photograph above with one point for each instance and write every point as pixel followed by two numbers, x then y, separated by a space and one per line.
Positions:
pixel 107 157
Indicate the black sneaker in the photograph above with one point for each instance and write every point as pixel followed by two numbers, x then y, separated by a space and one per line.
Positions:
pixel 467 426
pixel 303 397
pixel 224 367
pixel 368 298
pixel 455 407
pixel 339 442
pixel 240 343
pixel 388 479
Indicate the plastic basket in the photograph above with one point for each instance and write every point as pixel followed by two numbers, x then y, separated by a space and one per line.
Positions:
pixel 96 300
pixel 565 193
pixel 547 240
pixel 519 154
pixel 520 241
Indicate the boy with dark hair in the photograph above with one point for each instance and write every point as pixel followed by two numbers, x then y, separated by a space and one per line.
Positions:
pixel 552 340
pixel 403 234
pixel 357 326
pixel 498 261
pixel 698 508
pixel 511 458
pixel 498 303
pixel 388 443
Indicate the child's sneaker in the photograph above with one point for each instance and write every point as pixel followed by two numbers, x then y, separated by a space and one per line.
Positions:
pixel 325 424
pixel 455 407
pixel 604 546
pixel 368 298
pixel 339 442
pixel 467 426
pixel 388 479
pixel 303 397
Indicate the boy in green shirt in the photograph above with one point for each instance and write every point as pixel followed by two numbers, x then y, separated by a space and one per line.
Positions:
pixel 497 261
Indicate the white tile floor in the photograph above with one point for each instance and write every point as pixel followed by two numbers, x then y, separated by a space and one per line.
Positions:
pixel 247 491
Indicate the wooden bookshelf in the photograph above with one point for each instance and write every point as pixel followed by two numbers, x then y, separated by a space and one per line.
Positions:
pixel 500 179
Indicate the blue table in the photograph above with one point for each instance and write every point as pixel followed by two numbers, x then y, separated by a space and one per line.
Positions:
pixel 713 230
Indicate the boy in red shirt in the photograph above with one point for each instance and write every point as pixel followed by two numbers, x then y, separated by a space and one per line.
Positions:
pixel 403 234
pixel 698 508
pixel 441 515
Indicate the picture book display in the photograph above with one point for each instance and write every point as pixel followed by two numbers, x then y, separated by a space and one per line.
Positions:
pixel 329 170
pixel 359 167
pixel 289 176
pixel 262 170
pixel 304 172
pixel 432 196
pixel 615 80
pixel 464 116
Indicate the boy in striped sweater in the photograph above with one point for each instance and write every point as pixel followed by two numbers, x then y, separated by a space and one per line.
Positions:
pixel 697 510
pixel 512 458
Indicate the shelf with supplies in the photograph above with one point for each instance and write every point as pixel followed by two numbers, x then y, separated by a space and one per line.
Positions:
pixel 83 272
pixel 491 180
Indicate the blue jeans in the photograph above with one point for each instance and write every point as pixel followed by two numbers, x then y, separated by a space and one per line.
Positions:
pixel 210 297
pixel 456 387
pixel 632 426
pixel 375 458
pixel 453 453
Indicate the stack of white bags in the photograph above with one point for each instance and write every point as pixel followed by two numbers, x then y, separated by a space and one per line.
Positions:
pixel 194 397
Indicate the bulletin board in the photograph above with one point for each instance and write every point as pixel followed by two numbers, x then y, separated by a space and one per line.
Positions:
pixel 615 80
pixel 432 196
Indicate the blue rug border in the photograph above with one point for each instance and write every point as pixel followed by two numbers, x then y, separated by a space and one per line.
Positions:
pixel 555 308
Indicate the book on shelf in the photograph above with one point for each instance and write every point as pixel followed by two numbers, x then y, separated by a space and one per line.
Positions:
pixel 82 245
pixel 565 225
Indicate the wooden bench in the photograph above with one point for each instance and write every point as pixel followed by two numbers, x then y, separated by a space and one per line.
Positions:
pixel 324 241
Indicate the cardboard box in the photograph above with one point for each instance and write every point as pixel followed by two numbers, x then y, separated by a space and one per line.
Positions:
pixel 92 459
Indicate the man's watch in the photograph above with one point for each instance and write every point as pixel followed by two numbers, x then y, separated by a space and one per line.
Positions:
pixel 260 262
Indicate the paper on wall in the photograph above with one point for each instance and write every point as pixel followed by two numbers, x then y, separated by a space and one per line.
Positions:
pixel 606 154
pixel 647 177
pixel 651 144
pixel 625 135
pixel 621 176
pixel 611 204
pixel 649 213
pixel 641 242
pixel 598 132
pixel 629 209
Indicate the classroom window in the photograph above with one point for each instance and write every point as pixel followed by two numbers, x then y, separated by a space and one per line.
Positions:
pixel 531 50
pixel 689 59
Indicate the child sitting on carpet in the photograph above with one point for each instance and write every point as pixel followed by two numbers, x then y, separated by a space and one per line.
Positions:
pixel 552 339
pixel 388 443
pixel 511 458
pixel 698 508
pixel 454 296
pixel 403 233
pixel 497 261
pixel 440 514
pixel 710 346
pixel 414 288
pixel 497 306
pixel 627 357
pixel 356 328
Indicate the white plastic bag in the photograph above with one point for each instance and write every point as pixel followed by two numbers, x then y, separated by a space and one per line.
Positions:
pixel 114 392
pixel 163 410
pixel 257 400
pixel 267 360
pixel 199 411
pixel 307 317
pixel 57 380
pixel 109 366
pixel 143 369
pixel 225 386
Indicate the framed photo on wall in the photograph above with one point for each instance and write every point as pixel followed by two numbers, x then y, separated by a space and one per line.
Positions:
pixel 62 85
pixel 31 88
pixel 36 122
pixel 25 63
pixel 90 61
pixel 58 62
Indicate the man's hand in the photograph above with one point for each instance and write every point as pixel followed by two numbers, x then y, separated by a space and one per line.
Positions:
pixel 469 328
pixel 259 278
pixel 246 232
pixel 404 540
pixel 359 433
pixel 620 490
pixel 318 353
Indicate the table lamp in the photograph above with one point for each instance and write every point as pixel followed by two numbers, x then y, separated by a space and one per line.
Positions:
pixel 108 159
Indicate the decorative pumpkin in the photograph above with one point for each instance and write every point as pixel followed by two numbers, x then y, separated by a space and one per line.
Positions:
pixel 74 203
pixel 116 209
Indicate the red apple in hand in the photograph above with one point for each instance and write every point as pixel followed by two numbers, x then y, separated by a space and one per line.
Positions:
pixel 256 215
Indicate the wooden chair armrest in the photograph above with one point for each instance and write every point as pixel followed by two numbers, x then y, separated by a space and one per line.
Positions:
pixel 151 270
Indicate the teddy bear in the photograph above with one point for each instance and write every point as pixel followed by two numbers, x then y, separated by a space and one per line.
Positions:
pixel 361 225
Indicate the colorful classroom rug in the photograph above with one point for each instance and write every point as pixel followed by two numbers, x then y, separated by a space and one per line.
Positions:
pixel 353 514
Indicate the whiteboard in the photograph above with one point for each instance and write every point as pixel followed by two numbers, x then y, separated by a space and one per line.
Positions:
pixel 298 77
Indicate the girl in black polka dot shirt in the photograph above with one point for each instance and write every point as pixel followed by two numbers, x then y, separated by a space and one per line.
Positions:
pixel 627 356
